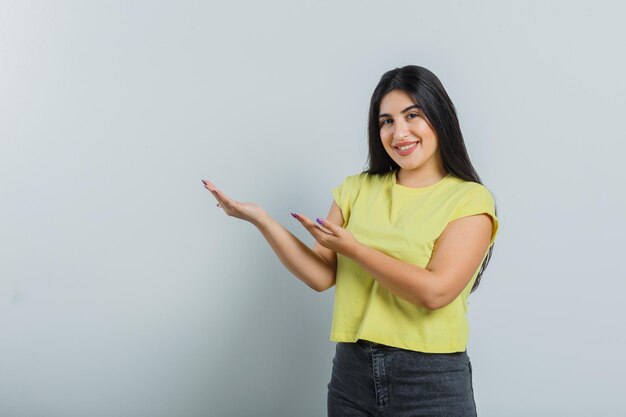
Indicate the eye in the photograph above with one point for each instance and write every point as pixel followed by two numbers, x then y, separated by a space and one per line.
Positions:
pixel 383 122
pixel 413 114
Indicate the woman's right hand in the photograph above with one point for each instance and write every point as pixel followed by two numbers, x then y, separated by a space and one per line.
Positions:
pixel 250 212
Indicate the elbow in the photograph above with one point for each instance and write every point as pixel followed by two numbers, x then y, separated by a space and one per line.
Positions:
pixel 434 304
pixel 435 296
pixel 435 301
pixel 324 288
pixel 431 304
pixel 321 287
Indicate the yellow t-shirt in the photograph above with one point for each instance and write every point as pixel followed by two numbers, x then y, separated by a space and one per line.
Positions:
pixel 402 222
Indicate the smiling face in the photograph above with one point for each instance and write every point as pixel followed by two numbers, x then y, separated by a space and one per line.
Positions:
pixel 402 122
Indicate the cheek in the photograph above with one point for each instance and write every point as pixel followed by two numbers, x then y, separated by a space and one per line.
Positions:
pixel 423 127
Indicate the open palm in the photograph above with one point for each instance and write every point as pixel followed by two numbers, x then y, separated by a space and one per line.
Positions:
pixel 250 212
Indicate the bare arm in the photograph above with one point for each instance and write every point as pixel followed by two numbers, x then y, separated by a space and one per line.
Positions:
pixel 457 254
pixel 302 261
pixel 315 266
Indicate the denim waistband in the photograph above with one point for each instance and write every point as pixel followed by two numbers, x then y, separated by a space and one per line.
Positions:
pixel 369 378
pixel 374 345
pixel 369 343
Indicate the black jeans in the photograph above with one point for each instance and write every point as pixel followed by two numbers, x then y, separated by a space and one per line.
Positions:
pixel 370 379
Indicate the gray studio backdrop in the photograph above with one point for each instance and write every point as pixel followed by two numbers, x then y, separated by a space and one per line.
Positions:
pixel 124 290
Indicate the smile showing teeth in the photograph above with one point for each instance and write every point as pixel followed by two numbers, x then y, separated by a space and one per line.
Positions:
pixel 404 148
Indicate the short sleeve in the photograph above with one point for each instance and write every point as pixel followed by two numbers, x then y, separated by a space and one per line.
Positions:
pixel 478 201
pixel 345 194
pixel 341 196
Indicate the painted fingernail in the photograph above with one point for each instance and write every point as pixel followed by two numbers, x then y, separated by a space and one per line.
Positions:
pixel 320 221
pixel 295 215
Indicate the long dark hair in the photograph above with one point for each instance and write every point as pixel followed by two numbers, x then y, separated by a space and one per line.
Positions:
pixel 427 91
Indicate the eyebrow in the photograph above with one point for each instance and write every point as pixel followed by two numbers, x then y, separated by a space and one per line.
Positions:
pixel 414 106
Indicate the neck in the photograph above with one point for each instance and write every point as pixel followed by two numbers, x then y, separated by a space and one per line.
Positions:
pixel 419 179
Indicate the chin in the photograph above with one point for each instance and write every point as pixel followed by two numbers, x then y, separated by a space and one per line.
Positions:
pixel 408 166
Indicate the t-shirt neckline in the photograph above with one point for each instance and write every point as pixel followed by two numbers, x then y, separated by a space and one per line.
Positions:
pixel 415 190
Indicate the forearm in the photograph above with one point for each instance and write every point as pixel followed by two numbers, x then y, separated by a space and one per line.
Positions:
pixel 298 258
pixel 407 281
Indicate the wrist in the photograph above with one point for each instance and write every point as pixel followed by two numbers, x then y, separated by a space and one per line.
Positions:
pixel 357 252
pixel 261 220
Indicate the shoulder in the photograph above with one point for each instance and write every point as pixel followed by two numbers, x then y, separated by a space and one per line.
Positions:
pixel 463 189
pixel 472 198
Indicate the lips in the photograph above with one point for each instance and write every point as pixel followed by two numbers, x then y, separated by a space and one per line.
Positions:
pixel 400 144
pixel 409 151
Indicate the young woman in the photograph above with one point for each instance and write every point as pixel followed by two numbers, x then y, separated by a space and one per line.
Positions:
pixel 404 244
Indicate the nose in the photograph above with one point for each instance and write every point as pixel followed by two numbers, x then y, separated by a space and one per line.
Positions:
pixel 401 130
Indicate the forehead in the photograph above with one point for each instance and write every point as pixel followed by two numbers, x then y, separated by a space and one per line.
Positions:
pixel 394 101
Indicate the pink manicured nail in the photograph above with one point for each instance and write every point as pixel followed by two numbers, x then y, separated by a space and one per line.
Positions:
pixel 320 221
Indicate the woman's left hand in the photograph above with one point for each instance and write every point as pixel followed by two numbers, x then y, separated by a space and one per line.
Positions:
pixel 331 236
